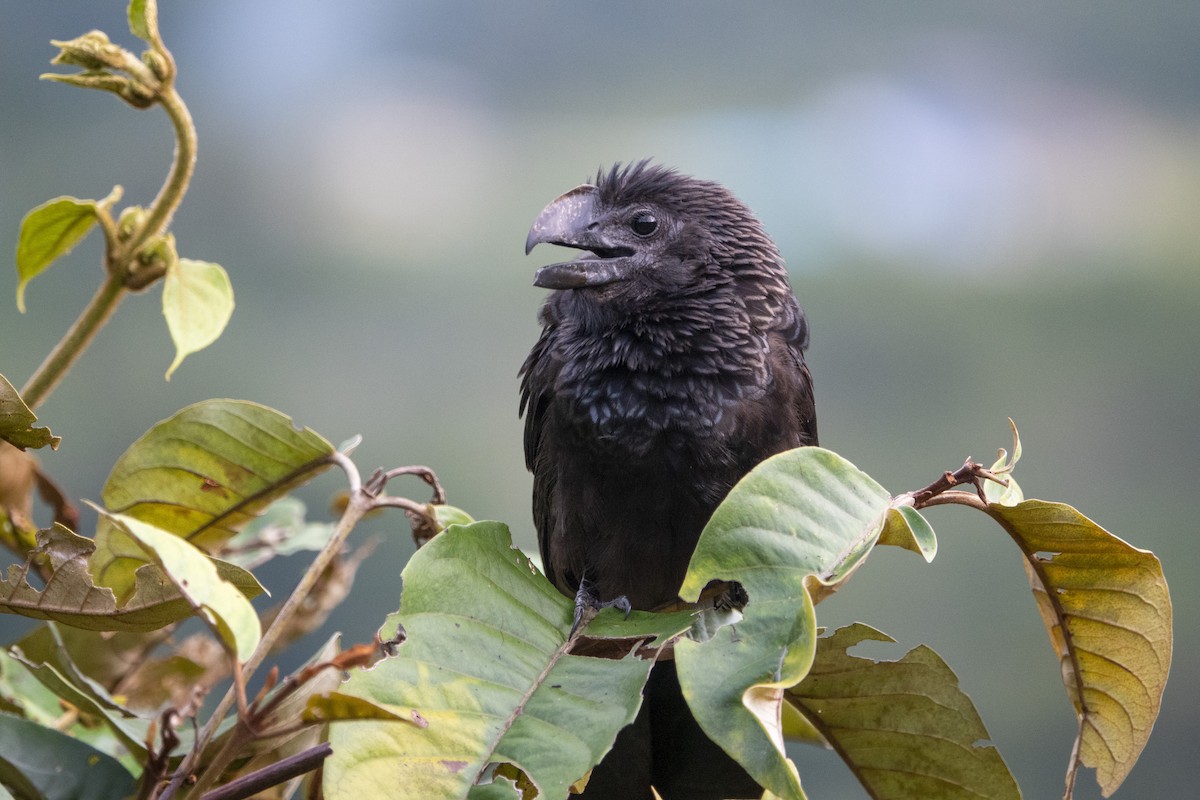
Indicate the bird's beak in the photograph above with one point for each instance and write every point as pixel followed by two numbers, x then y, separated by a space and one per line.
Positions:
pixel 571 221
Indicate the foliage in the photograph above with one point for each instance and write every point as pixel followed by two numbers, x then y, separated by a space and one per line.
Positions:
pixel 476 687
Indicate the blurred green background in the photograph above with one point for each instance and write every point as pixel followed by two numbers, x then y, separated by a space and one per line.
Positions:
pixel 989 210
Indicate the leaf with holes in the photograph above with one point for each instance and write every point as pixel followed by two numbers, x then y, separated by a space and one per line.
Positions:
pixel 903 727
pixel 800 520
pixel 486 663
pixel 1106 606
pixel 16 421
pixel 210 468
pixel 71 597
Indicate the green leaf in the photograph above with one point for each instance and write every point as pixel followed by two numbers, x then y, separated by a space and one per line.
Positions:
pixel 903 727
pixel 16 421
pixel 211 467
pixel 800 519
pixel 450 515
pixel 281 530
pixel 197 302
pixel 71 597
pixel 1011 494
pixel 24 695
pixel 905 527
pixel 1107 609
pixel 41 762
pixel 487 665
pixel 48 232
pixel 91 700
pixel 219 603
pixel 143 18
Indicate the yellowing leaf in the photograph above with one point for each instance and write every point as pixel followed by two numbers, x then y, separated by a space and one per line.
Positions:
pixel 905 527
pixel 218 602
pixel 71 597
pixel 1106 606
pixel 197 302
pixel 903 727
pixel 210 468
pixel 337 706
pixel 48 232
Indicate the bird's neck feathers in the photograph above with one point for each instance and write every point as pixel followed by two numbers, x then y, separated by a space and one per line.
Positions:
pixel 651 325
pixel 665 366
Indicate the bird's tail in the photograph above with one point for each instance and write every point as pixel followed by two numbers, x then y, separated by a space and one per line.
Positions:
pixel 665 748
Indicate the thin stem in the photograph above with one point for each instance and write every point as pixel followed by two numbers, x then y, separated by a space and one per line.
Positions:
pixel 425 474
pixel 1073 767
pixel 173 189
pixel 74 342
pixel 956 498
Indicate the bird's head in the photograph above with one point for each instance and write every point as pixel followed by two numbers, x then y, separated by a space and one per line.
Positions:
pixel 646 225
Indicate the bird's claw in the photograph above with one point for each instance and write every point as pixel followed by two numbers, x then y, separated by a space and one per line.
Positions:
pixel 586 601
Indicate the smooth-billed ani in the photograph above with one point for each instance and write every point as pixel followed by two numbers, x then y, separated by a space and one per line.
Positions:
pixel 671 361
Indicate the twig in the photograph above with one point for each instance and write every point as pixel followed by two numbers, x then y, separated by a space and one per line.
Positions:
pixel 421 517
pixel 425 474
pixel 363 498
pixel 157 762
pixel 970 472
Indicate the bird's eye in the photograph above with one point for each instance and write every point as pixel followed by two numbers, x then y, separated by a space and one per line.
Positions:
pixel 644 224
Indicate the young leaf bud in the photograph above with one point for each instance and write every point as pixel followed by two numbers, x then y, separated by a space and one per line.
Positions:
pixel 158 64
pixel 92 51
pixel 130 221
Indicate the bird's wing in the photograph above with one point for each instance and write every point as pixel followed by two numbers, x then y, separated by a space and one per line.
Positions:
pixel 805 405
pixel 538 375
pixel 792 328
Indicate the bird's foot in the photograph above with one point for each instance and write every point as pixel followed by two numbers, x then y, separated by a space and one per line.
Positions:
pixel 587 604
pixel 735 597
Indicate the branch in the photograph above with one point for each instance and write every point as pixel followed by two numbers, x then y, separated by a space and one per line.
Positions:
pixel 273 775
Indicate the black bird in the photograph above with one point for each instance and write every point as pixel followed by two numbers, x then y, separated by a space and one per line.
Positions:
pixel 671 361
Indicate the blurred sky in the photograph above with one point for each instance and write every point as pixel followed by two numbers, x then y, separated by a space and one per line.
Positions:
pixel 988 210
